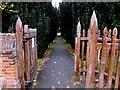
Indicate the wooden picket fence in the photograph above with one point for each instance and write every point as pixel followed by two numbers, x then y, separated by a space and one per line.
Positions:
pixel 97 58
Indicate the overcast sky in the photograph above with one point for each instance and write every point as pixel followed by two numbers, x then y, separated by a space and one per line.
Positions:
pixel 56 2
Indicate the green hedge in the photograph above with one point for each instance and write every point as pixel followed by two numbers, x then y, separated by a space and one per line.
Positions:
pixel 71 12
pixel 40 15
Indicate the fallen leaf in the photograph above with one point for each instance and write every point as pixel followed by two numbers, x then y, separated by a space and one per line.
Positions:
pixel 58 82
pixel 67 81
pixel 45 78
pixel 97 85
pixel 74 83
pixel 67 87
pixel 53 74
pixel 39 69
pixel 52 71
pixel 54 62
pixel 59 73
pixel 63 74
pixel 34 80
pixel 57 78
pixel 105 87
pixel 78 83
pixel 71 81
pixel 81 77
pixel 52 87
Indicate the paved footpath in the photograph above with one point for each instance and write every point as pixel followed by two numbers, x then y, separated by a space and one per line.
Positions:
pixel 58 71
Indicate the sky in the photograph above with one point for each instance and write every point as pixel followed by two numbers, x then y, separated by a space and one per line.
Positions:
pixel 56 2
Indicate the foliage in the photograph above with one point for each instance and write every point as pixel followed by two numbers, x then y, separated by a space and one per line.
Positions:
pixel 40 15
pixel 71 12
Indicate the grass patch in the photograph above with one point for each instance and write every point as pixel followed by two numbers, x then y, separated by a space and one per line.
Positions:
pixel 50 49
pixel 46 54
pixel 51 45
pixel 40 62
pixel 36 83
pixel 67 45
pixel 64 40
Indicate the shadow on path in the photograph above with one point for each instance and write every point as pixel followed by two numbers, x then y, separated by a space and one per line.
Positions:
pixel 58 71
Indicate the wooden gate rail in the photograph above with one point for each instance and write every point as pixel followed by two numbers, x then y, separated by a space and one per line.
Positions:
pixel 99 58
pixel 99 39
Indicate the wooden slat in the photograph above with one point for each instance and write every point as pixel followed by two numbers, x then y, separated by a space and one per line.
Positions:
pixel 99 45
pixel 113 49
pixel 77 49
pixel 99 39
pixel 93 51
pixel 33 53
pixel 103 59
pixel 83 47
pixel 98 72
pixel 118 71
pixel 98 33
pixel 109 34
pixel 88 49
pixel 20 51
pixel 36 64
pixel 27 54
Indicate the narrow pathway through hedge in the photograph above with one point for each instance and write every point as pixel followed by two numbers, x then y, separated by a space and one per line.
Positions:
pixel 58 71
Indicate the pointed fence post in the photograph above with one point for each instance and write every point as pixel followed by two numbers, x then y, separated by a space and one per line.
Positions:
pixel 77 49
pixel 103 58
pixel 93 52
pixel 20 51
pixel 88 48
pixel 109 34
pixel 113 49
pixel 83 49
pixel 117 71
pixel 27 54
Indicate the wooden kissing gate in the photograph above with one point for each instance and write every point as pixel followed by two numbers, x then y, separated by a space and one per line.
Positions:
pixel 18 56
pixel 26 52
pixel 98 58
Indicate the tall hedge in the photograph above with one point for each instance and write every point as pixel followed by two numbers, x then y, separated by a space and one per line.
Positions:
pixel 40 15
pixel 71 12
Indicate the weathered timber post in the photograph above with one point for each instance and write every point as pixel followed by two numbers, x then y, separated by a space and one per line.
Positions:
pixel 93 52
pixel 113 49
pixel 117 71
pixel 27 55
pixel 20 51
pixel 109 34
pixel 83 49
pixel 103 58
pixel 88 48
pixel 77 49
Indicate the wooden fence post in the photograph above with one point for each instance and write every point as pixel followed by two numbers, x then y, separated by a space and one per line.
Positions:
pixel 109 34
pixel 20 51
pixel 103 58
pixel 113 49
pixel 83 47
pixel 117 71
pixel 77 49
pixel 88 48
pixel 27 54
pixel 93 52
